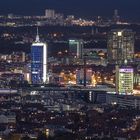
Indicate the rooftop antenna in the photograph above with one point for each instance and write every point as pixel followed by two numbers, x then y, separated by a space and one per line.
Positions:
pixel 37 36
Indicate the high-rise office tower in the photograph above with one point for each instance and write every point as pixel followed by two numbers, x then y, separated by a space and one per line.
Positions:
pixel 76 48
pixel 120 46
pixel 124 80
pixel 38 61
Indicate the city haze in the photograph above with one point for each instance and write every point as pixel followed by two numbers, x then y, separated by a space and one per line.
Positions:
pixel 128 9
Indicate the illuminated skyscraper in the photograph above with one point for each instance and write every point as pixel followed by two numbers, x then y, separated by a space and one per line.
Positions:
pixel 120 46
pixel 38 61
pixel 124 80
pixel 76 48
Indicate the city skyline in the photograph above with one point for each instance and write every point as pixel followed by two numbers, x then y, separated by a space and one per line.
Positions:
pixel 69 70
pixel 127 9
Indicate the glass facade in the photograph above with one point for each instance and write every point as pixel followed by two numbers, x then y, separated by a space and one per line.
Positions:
pixel 120 46
pixel 76 48
pixel 125 80
pixel 37 64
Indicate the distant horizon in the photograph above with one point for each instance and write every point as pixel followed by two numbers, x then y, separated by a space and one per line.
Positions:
pixel 127 9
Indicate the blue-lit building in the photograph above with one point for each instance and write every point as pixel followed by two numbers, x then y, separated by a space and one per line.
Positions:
pixel 38 62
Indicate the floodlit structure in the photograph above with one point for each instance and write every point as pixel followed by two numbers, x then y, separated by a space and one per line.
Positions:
pixel 38 61
pixel 124 80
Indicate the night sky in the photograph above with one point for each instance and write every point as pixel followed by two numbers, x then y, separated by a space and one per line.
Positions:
pixel 129 9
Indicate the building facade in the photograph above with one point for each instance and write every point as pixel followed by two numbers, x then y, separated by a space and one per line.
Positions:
pixel 80 76
pixel 120 46
pixel 124 80
pixel 137 79
pixel 38 62
pixel 76 48
pixel 116 16
pixel 123 101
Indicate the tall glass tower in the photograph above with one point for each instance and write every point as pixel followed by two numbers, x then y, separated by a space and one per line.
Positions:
pixel 120 46
pixel 38 61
